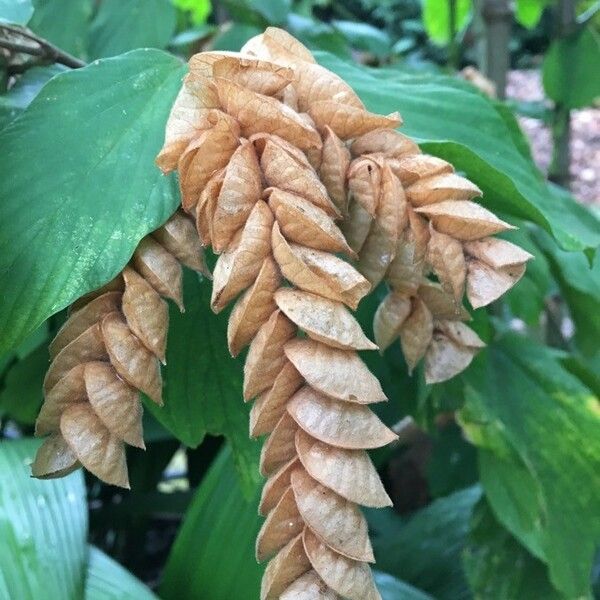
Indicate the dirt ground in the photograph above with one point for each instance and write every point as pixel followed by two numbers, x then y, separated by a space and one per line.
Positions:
pixel 526 85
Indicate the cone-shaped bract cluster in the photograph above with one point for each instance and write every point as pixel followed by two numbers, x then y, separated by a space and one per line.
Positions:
pixel 108 350
pixel 411 217
pixel 260 143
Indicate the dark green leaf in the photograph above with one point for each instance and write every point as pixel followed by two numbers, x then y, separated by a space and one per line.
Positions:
pixel 203 384
pixel 436 17
pixel 64 22
pixel 426 552
pixel 234 37
pixel 391 588
pixel 570 69
pixel 43 528
pixel 318 35
pixel 365 37
pixel 476 140
pixel 273 11
pixel 15 11
pixel 213 555
pixel 498 567
pixel 79 184
pixel 541 473
pixel 107 580
pixel 122 25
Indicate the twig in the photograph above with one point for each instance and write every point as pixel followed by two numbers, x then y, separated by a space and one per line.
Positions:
pixel 42 48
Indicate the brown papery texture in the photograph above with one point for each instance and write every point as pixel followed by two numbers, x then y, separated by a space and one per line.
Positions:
pixel 107 352
pixel 267 186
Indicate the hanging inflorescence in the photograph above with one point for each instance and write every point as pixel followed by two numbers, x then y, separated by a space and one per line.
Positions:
pixel 107 352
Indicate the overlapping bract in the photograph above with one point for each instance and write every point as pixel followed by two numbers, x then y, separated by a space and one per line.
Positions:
pixel 258 140
pixel 107 352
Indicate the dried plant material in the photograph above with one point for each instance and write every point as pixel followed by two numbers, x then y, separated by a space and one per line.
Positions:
pixel 271 404
pixel 283 170
pixel 240 264
pixel 357 226
pixel 257 113
pixel 417 233
pixel 336 521
pixel 254 308
pixel 416 333
pixel 461 334
pixel 279 447
pixel 96 448
pixel 338 423
pixel 309 587
pixel 464 220
pixel 319 272
pixel 160 268
pixel 114 285
pixel 301 222
pixel 445 359
pixel 349 121
pixel 364 183
pixel 441 305
pixel 384 141
pixel 179 237
pixel 146 313
pixel 389 317
pixel 350 473
pixel 445 254
pixel 276 486
pixel 203 156
pixel 410 169
pixel 89 345
pixel 350 578
pixel 266 357
pixel 290 563
pixel 240 190
pixel 131 359
pixel 339 374
pixel 84 318
pixel 116 403
pixel 323 320
pixel 54 458
pixel 497 253
pixel 335 161
pixel 486 284
pixel 439 188
pixel 405 273
pixel 282 525
pixel 68 390
pixel 279 46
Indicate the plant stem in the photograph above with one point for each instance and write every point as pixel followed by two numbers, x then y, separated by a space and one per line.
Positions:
pixel 15 39
pixel 453 47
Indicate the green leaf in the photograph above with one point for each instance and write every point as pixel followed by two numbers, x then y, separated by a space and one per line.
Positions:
pixel 43 528
pixel 529 12
pixel 365 37
pixel 213 555
pixel 64 22
pixel 549 421
pixel 26 88
pixel 122 25
pixel 199 9
pixel 436 18
pixel 234 37
pixel 498 567
pixel 426 551
pixel 21 397
pixel 107 580
pixel 570 69
pixel 391 588
pixel 79 184
pixel 15 11
pixel 203 384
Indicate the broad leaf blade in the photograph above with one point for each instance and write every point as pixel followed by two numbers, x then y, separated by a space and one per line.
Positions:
pixel 15 11
pixel 79 186
pixel 43 528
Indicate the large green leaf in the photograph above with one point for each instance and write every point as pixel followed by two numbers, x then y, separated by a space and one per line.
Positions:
pixel 426 551
pixel 203 384
pixel 15 11
pixel 570 69
pixel 43 528
pixel 108 580
pixel 499 567
pixel 122 25
pixel 463 126
pixel 394 589
pixel 78 184
pixel 213 555
pixel 540 427
pixel 64 22
pixel 436 18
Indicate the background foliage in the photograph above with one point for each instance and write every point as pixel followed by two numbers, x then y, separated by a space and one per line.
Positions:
pixel 496 479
